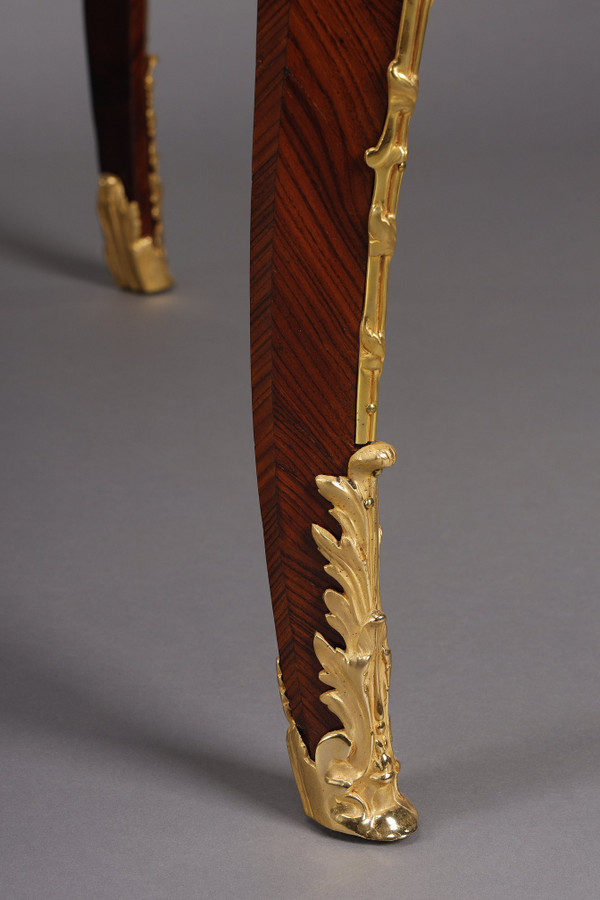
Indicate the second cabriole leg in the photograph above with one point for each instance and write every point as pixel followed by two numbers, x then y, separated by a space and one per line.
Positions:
pixel 129 191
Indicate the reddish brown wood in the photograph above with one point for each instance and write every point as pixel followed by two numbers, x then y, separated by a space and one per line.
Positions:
pixel 116 43
pixel 321 96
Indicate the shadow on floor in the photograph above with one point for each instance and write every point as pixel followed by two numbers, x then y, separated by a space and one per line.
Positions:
pixel 22 245
pixel 45 696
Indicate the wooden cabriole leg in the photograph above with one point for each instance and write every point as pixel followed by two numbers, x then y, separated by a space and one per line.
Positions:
pixel 129 193
pixel 332 81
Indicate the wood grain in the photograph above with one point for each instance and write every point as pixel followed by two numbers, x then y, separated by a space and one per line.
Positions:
pixel 321 97
pixel 116 44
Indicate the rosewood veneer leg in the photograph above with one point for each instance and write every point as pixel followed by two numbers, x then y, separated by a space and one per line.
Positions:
pixel 129 193
pixel 332 81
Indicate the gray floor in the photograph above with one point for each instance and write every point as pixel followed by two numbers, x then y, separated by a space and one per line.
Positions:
pixel 143 742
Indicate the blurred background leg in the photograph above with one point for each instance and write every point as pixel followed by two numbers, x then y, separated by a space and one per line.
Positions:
pixel 129 194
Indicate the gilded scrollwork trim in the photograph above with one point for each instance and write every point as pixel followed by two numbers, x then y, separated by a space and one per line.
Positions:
pixel 388 160
pixel 153 175
pixel 350 786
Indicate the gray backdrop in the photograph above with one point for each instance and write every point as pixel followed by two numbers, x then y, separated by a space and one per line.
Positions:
pixel 143 740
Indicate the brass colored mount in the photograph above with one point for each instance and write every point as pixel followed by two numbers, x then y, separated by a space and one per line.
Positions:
pixel 136 263
pixel 388 160
pixel 351 784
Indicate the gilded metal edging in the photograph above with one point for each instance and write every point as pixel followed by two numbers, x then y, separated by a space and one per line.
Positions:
pixel 388 160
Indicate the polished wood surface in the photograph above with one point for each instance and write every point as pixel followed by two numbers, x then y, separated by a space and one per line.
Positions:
pixel 321 96
pixel 116 43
